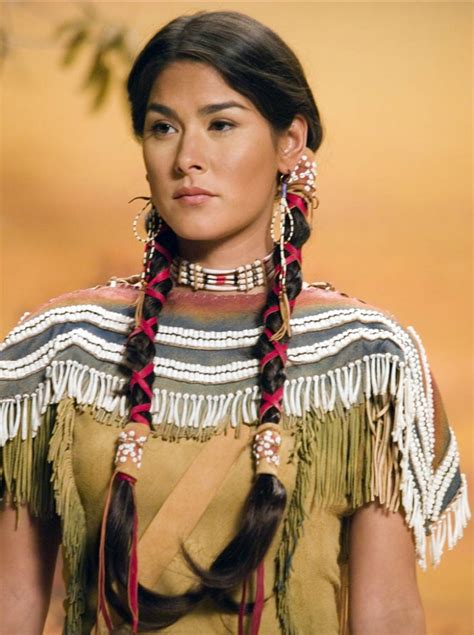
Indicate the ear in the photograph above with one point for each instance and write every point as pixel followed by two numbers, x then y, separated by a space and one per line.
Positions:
pixel 292 143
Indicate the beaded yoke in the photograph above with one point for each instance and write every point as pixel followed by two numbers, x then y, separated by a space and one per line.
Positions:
pixel 361 409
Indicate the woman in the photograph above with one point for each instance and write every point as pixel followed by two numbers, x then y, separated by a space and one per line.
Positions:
pixel 283 455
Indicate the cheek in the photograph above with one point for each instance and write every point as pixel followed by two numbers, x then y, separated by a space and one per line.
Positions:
pixel 247 170
pixel 150 162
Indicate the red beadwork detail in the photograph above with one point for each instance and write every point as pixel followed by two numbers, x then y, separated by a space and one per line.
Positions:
pixel 155 294
pixel 139 378
pixel 271 400
pixel 159 247
pixel 271 309
pixel 297 201
pixel 259 600
pixel 160 276
pixel 126 477
pixel 279 349
pixel 146 327
pixel 135 412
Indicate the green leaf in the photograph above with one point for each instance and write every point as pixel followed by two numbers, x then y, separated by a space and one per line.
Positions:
pixel 94 71
pixel 65 27
pixel 73 47
pixel 103 85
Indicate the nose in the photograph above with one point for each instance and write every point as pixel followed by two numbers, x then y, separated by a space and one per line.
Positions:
pixel 190 154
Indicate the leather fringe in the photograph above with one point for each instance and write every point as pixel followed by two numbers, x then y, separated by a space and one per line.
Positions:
pixel 25 475
pixel 69 507
pixel 347 458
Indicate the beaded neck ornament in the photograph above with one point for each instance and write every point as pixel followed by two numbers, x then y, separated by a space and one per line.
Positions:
pixel 242 278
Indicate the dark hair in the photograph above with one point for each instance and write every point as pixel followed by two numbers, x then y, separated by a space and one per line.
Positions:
pixel 257 63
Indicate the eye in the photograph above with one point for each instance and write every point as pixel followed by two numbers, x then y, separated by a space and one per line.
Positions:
pixel 225 123
pixel 157 127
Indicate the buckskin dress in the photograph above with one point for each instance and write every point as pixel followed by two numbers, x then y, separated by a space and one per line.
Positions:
pixel 362 419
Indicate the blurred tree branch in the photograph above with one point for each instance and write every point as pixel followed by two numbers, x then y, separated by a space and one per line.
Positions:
pixel 108 46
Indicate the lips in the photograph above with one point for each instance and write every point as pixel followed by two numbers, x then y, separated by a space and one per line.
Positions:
pixel 191 191
pixel 194 199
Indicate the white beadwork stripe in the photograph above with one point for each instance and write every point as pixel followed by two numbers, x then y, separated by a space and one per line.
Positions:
pixel 101 318
pixel 451 524
pixel 103 350
pixel 58 316
pixel 443 476
pixel 175 369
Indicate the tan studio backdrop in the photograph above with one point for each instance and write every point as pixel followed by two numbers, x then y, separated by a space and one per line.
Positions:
pixel 393 82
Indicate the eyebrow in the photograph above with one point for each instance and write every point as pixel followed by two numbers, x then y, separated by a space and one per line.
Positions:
pixel 208 109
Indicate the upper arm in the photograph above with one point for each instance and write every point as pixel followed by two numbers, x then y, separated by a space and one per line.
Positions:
pixel 29 550
pixel 29 527
pixel 382 573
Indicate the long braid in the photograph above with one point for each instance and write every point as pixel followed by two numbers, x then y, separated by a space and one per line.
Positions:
pixel 266 501
pixel 154 608
pixel 231 42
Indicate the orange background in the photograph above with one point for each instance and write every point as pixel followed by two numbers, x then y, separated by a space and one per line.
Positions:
pixel 393 82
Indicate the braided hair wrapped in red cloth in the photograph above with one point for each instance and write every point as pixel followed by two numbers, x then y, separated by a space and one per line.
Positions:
pixel 180 50
pixel 300 411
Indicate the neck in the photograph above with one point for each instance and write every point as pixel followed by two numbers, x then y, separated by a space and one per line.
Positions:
pixel 224 254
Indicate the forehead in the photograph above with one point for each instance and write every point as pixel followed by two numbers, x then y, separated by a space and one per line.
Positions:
pixel 193 82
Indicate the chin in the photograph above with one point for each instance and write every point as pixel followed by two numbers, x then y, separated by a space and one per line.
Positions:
pixel 202 229
pixel 191 231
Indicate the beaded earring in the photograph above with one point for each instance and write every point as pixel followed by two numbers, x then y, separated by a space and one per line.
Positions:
pixel 155 226
pixel 297 185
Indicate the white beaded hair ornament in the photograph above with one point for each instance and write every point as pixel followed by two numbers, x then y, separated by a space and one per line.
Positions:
pixel 266 448
pixel 128 457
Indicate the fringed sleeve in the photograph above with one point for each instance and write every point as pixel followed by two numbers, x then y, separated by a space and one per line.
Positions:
pixel 375 428
pixel 404 453
pixel 395 446
pixel 401 451
pixel 37 405
pixel 27 416
pixel 434 490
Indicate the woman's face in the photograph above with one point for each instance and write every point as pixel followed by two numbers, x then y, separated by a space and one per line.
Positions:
pixel 230 151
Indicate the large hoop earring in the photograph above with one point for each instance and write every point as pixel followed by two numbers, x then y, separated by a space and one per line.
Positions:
pixel 154 231
pixel 148 253
pixel 283 210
